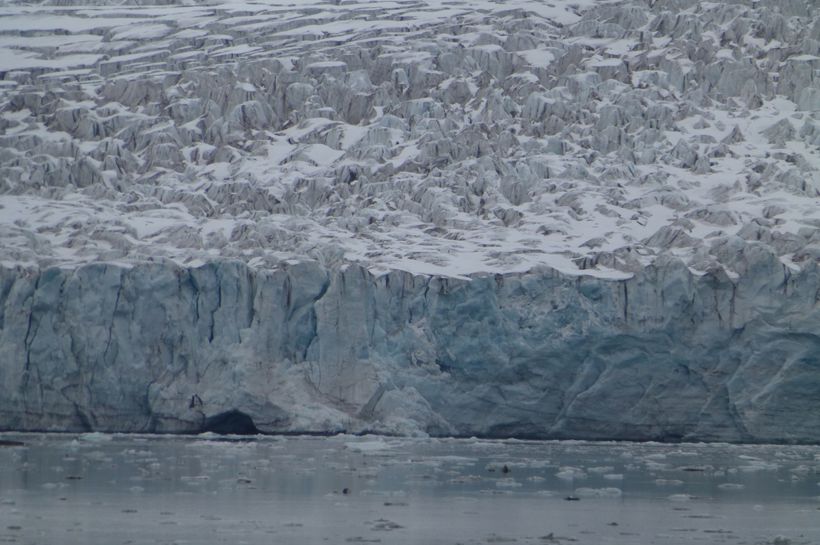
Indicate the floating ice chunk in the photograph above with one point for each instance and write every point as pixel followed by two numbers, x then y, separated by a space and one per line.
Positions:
pixel 679 497
pixel 531 464
pixel 98 456
pixel 600 469
pixel 96 437
pixel 462 479
pixel 656 456
pixel 608 492
pixel 614 476
pixel 368 446
pixel 668 482
pixel 568 473
pixel 731 486
pixel 759 466
pixel 458 460
pixel 197 480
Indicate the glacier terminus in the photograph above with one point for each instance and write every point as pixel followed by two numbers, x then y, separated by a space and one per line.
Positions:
pixel 578 219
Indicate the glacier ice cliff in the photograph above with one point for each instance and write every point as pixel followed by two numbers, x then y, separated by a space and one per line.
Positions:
pixel 663 355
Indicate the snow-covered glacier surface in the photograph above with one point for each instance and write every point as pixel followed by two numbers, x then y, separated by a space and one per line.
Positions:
pixel 569 219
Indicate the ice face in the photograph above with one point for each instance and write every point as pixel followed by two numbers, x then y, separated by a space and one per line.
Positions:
pixel 663 355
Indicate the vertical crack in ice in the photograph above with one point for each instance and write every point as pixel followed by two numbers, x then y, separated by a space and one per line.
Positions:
pixel 250 297
pixel 28 342
pixel 106 360
pixel 218 292
pixel 314 320
pixel 7 282
pixel 626 300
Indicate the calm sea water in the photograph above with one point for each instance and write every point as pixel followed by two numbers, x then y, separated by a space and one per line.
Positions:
pixel 127 489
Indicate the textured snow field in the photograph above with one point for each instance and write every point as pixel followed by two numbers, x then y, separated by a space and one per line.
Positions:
pixel 435 137
pixel 112 489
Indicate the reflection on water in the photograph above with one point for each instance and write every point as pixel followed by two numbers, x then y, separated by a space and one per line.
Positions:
pixel 111 489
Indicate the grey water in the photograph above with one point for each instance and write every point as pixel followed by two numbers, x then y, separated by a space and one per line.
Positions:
pixel 132 489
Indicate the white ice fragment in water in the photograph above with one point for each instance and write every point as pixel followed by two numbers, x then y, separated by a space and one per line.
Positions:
pixel 507 482
pixel 461 479
pixel 197 480
pixel 679 497
pixel 96 437
pixel 98 456
pixel 668 482
pixel 568 473
pixel 457 460
pixel 608 492
pixel 686 453
pixel 368 446
pixel 731 486
pixel 756 466
pixel 528 463
pixel 614 476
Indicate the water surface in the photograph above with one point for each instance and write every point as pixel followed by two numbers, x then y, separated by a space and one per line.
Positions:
pixel 131 489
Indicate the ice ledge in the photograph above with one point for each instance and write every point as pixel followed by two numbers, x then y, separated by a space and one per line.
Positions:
pixel 663 355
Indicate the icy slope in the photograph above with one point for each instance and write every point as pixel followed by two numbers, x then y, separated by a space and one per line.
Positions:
pixel 576 219
pixel 444 138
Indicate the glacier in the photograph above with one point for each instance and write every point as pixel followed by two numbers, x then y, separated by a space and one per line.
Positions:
pixel 663 355
pixel 585 219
